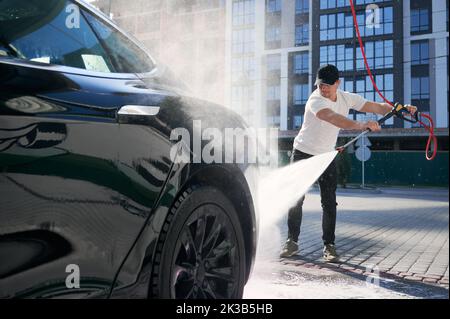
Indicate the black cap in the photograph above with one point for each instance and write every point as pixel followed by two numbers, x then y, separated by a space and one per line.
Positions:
pixel 327 74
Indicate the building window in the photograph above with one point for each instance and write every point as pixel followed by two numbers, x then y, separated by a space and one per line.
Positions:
pixel 243 69
pixel 301 6
pixel 301 63
pixel 273 121
pixel 358 2
pixel 421 16
pixel 419 20
pixel 345 26
pixel 327 27
pixel 327 4
pixel 242 97
pixel 364 87
pixel 301 94
pixel 341 26
pixel 243 12
pixel 273 62
pixel 384 27
pixel 385 83
pixel 379 54
pixel 331 4
pixel 420 53
pixel 339 55
pixel 243 41
pixel 420 92
pixel 298 121
pixel 348 84
pixel 420 88
pixel 273 92
pixel 273 6
pixel 344 57
pixel 273 34
pixel 301 34
pixel 342 3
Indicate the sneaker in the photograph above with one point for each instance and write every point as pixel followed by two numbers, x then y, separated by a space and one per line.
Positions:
pixel 290 249
pixel 329 253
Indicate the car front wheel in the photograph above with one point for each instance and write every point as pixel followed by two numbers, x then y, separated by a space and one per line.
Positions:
pixel 201 249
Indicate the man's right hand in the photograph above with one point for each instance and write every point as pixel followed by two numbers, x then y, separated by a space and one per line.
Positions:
pixel 371 125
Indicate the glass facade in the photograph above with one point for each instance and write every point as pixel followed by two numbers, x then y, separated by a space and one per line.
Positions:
pixel 243 41
pixel 273 33
pixel 419 20
pixel 301 94
pixel 243 12
pixel 242 96
pixel 301 63
pixel 298 121
pixel 273 5
pixel 337 44
pixel 336 26
pixel 348 84
pixel 379 54
pixel 301 6
pixel 370 26
pixel 420 92
pixel 421 16
pixel 273 62
pixel 420 88
pixel 364 87
pixel 332 4
pixel 302 34
pixel 273 92
pixel 243 69
pixel 339 55
pixel 243 63
pixel 340 25
pixel 419 52
pixel 273 121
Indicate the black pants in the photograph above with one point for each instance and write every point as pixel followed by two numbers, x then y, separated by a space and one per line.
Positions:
pixel 328 183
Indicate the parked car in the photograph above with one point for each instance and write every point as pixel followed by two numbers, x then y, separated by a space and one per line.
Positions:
pixel 93 203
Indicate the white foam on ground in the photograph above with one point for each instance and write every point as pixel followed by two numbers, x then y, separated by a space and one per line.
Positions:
pixel 280 190
pixel 271 281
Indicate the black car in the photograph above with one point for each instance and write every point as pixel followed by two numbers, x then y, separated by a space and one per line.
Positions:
pixel 93 201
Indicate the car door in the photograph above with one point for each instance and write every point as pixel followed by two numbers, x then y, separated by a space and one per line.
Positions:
pixel 72 202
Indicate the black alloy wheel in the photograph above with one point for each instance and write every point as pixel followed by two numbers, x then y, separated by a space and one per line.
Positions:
pixel 203 254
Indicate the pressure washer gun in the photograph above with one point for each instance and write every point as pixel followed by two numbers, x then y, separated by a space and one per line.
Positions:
pixel 402 112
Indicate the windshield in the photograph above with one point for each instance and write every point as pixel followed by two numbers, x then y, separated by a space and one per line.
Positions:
pixel 59 32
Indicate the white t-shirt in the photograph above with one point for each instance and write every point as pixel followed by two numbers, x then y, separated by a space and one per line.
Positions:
pixel 317 136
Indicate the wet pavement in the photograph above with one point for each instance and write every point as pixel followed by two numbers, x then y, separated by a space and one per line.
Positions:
pixel 273 280
pixel 393 244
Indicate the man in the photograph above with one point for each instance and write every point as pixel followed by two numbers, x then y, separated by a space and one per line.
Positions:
pixel 325 114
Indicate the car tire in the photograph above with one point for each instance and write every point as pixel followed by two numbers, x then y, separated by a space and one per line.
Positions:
pixel 200 253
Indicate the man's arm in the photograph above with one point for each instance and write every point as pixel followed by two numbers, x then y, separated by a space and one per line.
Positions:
pixel 374 107
pixel 383 108
pixel 342 122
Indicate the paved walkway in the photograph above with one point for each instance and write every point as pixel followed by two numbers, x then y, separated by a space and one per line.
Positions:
pixel 401 233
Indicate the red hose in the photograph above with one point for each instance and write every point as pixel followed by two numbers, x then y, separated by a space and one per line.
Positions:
pixel 361 46
pixel 429 128
pixel 431 137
